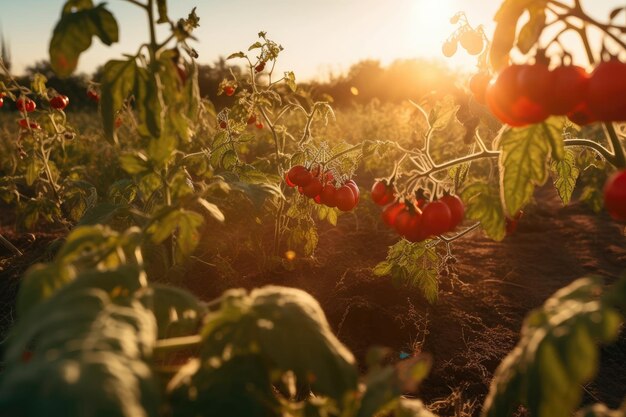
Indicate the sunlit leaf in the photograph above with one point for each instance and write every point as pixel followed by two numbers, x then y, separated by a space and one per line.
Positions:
pixel 482 203
pixel 118 82
pixel 565 173
pixel 531 31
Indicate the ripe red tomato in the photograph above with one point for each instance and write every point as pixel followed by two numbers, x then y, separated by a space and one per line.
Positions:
pixel 229 90
pixel 59 102
pixel 260 67
pixel 472 41
pixel 288 181
pixel 534 81
pixel 582 115
pixel 568 90
pixel 390 213
pixel 382 192
pixel 511 104
pixel 1 102
pixel 328 195
pixel 259 125
pixel 615 195
pixel 403 222
pixel 345 198
pixel 457 209
pixel 606 91
pixel 223 124
pixel 25 105
pixel 313 188
pixel 478 86
pixel 416 232
pixel 355 190
pixel 317 199
pixel 449 48
pixel 252 119
pixel 24 124
pixel 299 175
pixel 93 96
pixel 436 218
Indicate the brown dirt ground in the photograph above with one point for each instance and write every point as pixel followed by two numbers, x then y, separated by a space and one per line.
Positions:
pixel 481 306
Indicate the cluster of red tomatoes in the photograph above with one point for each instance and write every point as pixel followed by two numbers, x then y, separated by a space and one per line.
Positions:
pixel 321 188
pixel 419 220
pixel 615 195
pixel 526 94
pixel 26 105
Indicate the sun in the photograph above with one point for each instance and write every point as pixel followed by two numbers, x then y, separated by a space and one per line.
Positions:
pixel 432 23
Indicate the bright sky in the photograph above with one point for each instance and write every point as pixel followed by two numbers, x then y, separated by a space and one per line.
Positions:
pixel 319 36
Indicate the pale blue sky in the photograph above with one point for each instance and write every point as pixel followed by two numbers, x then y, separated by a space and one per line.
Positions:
pixel 319 36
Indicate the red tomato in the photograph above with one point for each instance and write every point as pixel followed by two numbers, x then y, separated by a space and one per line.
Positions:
pixel 328 195
pixel 229 90
pixel 317 199
pixel 223 124
pixel 24 124
pixel 345 198
pixel 478 86
pixel 259 125
pixel 299 175
pixel 582 115
pixel 449 48
pixel 606 91
pixel 390 213
pixel 403 222
pixel 260 67
pixel 416 232
pixel 534 82
pixel 569 89
pixel 252 119
pixel 288 181
pixel 1 102
pixel 457 209
pixel 93 96
pixel 615 195
pixel 382 193
pixel 25 105
pixel 313 188
pixel 355 190
pixel 59 102
pixel 509 103
pixel 436 218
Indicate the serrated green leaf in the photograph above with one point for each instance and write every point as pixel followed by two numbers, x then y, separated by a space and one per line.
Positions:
pixel 565 173
pixel 73 33
pixel 212 209
pixel 118 82
pixel 236 55
pixel 382 269
pixel 149 104
pixel 255 45
pixel 523 160
pixel 531 31
pixel 134 163
pixel 482 203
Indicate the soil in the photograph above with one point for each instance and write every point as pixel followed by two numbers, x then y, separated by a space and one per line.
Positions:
pixel 481 305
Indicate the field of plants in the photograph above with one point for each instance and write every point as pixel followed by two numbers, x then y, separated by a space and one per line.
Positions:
pixel 180 239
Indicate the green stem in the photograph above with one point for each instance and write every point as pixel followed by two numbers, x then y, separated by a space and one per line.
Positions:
pixel 10 246
pixel 619 158
pixel 177 343
pixel 593 145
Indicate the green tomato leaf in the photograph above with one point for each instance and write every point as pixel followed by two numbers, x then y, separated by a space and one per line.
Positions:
pixel 523 160
pixel 565 173
pixel 531 31
pixel 482 203
pixel 73 33
pixel 557 353
pixel 134 163
pixel 118 82
pixel 149 104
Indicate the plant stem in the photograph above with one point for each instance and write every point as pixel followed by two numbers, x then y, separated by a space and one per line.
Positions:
pixel 177 343
pixel 593 145
pixel 10 246
pixel 618 151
